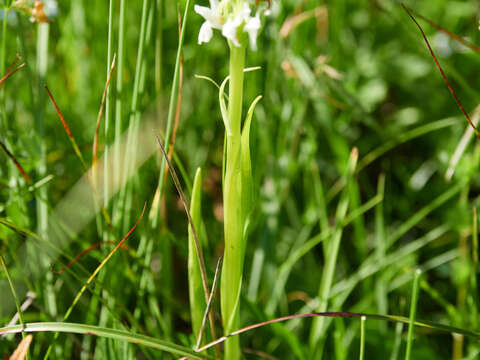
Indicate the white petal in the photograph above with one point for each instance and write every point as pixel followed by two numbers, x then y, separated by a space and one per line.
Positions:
pixel 244 14
pixel 252 27
pixel 205 12
pixel 209 15
pixel 229 30
pixel 206 33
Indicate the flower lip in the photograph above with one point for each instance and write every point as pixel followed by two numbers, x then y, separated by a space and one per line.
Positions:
pixel 206 33
pixel 252 27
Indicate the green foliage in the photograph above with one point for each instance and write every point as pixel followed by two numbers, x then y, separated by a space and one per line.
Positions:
pixel 196 294
pixel 334 76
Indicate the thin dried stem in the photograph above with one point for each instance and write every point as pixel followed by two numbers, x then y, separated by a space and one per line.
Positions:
pixel 457 100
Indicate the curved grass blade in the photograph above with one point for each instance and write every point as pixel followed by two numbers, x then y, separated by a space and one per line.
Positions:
pixel 447 32
pixel 457 100
pixel 391 318
pixel 222 98
pixel 246 166
pixel 209 79
pixel 85 252
pixel 197 299
pixel 115 334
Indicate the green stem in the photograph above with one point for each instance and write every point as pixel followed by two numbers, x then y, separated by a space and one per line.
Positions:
pixel 158 49
pixel 42 208
pixel 108 115
pixel 2 69
pixel 116 213
pixel 413 313
pixel 319 325
pixel 134 119
pixel 362 338
pixel 171 110
pixel 233 214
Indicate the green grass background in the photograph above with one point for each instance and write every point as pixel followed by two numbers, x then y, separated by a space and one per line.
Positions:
pixel 302 134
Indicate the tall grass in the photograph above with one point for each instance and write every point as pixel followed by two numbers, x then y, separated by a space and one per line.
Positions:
pixel 330 230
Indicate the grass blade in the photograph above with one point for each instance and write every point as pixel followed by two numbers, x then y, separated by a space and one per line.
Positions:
pixel 362 337
pixel 413 313
pixel 120 335
pixel 80 157
pixel 449 33
pixel 10 73
pixel 209 303
pixel 15 161
pixel 391 318
pixel 457 100
pixel 196 294
pixel 328 273
pixel 99 119
pixel 92 277
pixel 194 232
pixel 14 293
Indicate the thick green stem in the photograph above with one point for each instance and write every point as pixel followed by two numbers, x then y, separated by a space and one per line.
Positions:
pixel 233 213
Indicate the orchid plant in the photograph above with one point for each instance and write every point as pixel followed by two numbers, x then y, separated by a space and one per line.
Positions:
pixel 239 21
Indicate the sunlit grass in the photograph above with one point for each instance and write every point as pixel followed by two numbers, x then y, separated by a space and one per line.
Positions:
pixel 356 168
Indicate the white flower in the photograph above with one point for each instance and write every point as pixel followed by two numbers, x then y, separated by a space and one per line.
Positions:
pixel 230 24
pixel 205 34
pixel 230 28
pixel 252 27
pixel 212 20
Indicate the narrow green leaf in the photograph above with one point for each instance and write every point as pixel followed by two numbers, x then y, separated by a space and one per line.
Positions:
pixel 99 331
pixel 413 313
pixel 362 337
pixel 195 287
pixel 333 247
pixel 247 180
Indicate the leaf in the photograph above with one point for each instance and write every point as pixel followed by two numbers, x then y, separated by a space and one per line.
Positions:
pixel 195 287
pixel 247 180
pixel 120 335
pixel 223 105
